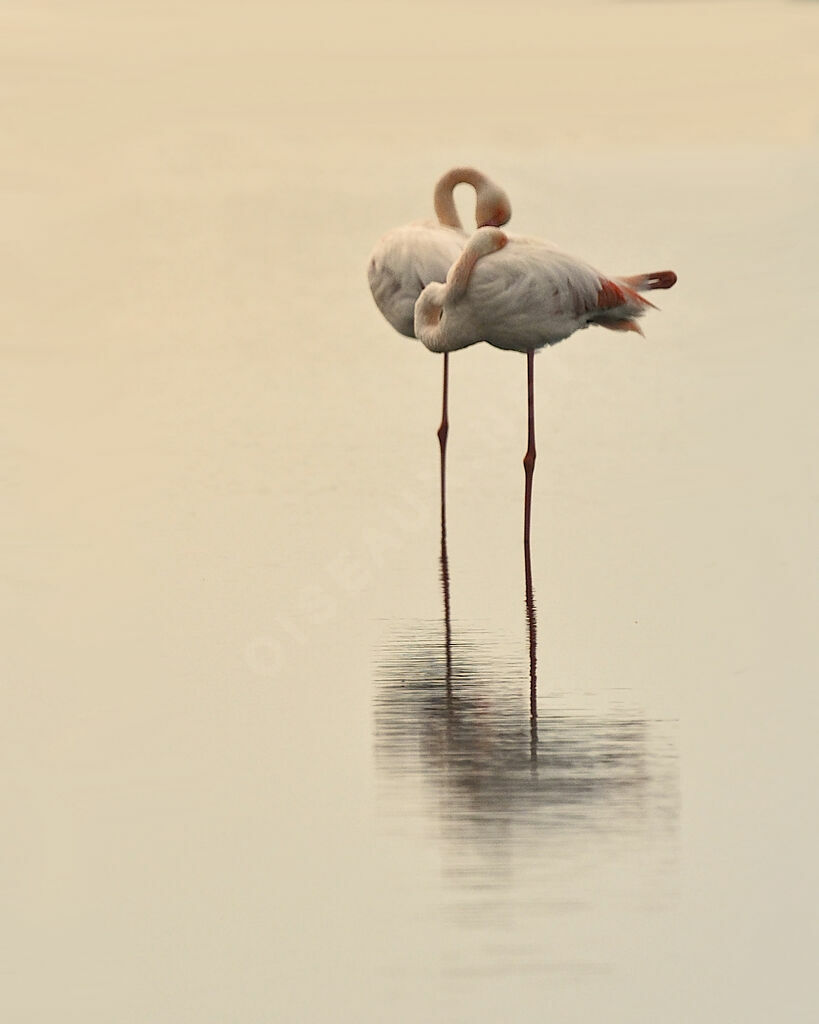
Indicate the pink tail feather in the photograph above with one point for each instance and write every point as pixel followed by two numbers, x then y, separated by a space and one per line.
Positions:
pixel 648 282
pixel 622 325
pixel 619 301
pixel 619 295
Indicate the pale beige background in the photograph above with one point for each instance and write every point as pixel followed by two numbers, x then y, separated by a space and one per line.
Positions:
pixel 219 473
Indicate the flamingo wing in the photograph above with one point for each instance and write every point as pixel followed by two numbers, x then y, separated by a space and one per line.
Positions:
pixel 531 294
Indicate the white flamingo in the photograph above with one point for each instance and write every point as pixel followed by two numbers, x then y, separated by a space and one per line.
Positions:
pixel 521 294
pixel 408 258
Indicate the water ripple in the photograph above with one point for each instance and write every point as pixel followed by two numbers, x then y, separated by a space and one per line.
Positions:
pixel 458 718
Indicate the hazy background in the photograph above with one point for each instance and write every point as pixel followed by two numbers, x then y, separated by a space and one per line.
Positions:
pixel 234 786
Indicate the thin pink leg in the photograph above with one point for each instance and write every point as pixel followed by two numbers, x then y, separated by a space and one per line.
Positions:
pixel 529 470
pixel 443 433
pixel 443 430
pixel 531 454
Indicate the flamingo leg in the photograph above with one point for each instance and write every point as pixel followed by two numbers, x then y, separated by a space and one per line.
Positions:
pixel 531 454
pixel 529 470
pixel 443 432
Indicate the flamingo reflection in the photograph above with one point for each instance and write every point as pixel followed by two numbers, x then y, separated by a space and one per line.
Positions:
pixel 449 710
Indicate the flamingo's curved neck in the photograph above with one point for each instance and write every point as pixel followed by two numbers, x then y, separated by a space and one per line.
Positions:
pixel 457 279
pixel 444 200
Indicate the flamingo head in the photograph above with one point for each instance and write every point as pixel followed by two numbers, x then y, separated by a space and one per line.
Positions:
pixel 429 315
pixel 493 208
pixel 487 239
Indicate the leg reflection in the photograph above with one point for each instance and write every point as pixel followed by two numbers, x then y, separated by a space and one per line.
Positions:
pixel 531 622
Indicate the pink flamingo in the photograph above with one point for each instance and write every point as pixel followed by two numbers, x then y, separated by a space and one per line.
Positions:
pixel 408 258
pixel 520 294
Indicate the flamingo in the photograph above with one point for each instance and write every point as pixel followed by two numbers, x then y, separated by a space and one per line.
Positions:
pixel 520 293
pixel 408 258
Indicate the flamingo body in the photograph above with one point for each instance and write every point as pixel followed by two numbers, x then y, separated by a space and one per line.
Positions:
pixel 521 293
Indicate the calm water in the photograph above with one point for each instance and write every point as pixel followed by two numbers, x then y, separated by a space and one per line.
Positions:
pixel 266 755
